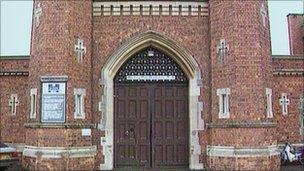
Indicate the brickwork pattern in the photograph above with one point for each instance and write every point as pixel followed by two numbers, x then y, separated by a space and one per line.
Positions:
pixel 288 126
pixel 11 127
pixel 247 71
pixel 242 163
pixel 64 163
pixel 296 33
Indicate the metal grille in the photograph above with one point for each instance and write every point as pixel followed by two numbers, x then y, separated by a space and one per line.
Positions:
pixel 150 65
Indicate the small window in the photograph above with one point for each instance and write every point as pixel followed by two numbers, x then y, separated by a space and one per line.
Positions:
pixel 79 103
pixel 269 103
pixel 13 103
pixel 33 109
pixel 223 102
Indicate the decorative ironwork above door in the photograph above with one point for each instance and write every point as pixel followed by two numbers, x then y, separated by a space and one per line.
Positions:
pixel 150 65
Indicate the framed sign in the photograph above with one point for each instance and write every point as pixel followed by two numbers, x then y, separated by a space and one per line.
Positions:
pixel 53 102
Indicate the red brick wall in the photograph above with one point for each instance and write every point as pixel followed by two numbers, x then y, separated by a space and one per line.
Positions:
pixel 296 33
pixel 241 163
pixel 57 137
pixel 11 127
pixel 52 50
pixel 58 164
pixel 288 127
pixel 246 71
pixel 190 32
pixel 286 62
pixel 247 68
pixel 52 54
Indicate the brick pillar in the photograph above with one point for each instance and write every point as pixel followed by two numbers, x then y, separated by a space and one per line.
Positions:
pixel 296 33
pixel 57 26
pixel 244 138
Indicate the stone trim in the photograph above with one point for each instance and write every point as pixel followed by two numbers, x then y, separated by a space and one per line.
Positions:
pixel 287 57
pixel 81 113
pixel 223 103
pixel 230 151
pixel 18 146
pixel 288 72
pixel 59 125
pixel 59 152
pixel 241 124
pixel 148 8
pixel 33 102
pixel 17 57
pixel 269 112
pixel 14 73
pixel 282 145
pixel 60 78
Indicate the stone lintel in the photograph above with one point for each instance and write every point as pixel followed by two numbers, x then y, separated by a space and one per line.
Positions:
pixel 59 125
pixel 241 124
pixel 287 57
pixel 15 57
pixel 59 78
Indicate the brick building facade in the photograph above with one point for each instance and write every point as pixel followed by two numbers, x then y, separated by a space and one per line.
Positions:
pixel 99 89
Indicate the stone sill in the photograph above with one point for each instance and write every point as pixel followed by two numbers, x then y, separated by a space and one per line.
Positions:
pixel 15 57
pixel 59 125
pixel 287 57
pixel 257 124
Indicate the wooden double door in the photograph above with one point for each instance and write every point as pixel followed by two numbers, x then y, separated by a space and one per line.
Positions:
pixel 151 125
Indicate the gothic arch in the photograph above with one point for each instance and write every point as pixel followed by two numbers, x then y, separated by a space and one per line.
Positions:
pixel 185 61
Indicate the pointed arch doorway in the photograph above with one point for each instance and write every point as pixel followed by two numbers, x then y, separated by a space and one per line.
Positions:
pixel 106 105
pixel 151 124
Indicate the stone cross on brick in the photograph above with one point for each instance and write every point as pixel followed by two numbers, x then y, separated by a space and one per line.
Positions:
pixel 263 14
pixel 80 50
pixel 222 49
pixel 284 102
pixel 13 103
pixel 38 13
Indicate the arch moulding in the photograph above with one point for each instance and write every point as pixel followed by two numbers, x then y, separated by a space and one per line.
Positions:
pixel 106 104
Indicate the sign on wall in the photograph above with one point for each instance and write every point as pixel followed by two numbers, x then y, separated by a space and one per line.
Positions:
pixel 53 102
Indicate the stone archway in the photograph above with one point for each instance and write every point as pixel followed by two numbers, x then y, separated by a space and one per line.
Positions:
pixel 184 60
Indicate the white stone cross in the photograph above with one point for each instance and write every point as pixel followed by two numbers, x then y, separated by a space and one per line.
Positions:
pixel 38 13
pixel 263 14
pixel 222 48
pixel 80 50
pixel 284 102
pixel 13 103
